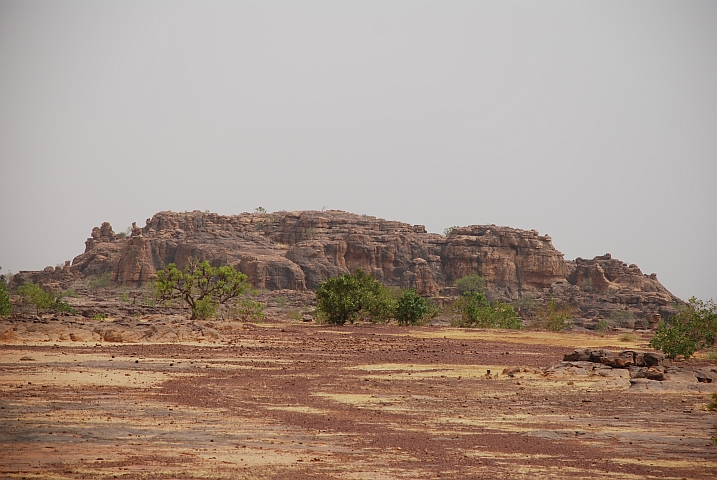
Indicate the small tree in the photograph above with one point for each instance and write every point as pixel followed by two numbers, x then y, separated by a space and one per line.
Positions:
pixel 476 311
pixel 411 308
pixel 5 305
pixel 43 299
pixel 201 286
pixel 694 328
pixel 31 293
pixel 470 283
pixel 342 299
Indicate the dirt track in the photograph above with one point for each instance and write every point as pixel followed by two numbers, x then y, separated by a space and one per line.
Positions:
pixel 308 401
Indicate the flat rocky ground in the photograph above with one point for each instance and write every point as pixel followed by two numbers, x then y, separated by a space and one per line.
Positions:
pixel 294 400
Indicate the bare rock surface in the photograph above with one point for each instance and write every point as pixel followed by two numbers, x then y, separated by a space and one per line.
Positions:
pixel 298 250
pixel 643 370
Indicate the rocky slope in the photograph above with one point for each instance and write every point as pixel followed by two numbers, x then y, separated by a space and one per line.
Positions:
pixel 298 250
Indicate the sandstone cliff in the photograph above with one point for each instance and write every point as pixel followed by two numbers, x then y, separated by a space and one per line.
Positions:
pixel 298 250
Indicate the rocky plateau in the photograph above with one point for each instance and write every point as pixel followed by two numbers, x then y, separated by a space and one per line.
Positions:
pixel 298 250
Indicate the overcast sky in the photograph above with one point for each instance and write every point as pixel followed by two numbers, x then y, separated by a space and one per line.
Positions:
pixel 593 122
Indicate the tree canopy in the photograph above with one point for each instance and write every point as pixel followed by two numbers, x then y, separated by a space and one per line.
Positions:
pixel 201 286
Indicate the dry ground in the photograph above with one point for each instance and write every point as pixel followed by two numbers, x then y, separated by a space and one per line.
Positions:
pixel 296 401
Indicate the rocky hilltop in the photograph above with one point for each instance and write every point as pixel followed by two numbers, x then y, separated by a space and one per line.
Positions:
pixel 298 250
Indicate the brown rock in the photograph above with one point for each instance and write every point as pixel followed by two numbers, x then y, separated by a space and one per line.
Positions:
pixel 577 356
pixel 299 250
pixel 656 359
pixel 655 373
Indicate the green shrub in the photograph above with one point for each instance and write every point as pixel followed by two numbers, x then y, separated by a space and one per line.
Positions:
pixel 411 308
pixel 713 404
pixel 60 306
pixel 470 283
pixel 602 325
pixel 124 297
pixel 295 315
pixel 692 329
pixel 202 286
pixel 627 337
pixel 447 231
pixel 281 302
pixel 43 299
pixel 205 308
pixel 555 317
pixel 476 311
pixel 347 297
pixel 248 309
pixel 34 294
pixel 5 304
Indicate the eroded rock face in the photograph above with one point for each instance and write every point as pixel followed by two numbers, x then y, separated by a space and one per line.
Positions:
pixel 298 250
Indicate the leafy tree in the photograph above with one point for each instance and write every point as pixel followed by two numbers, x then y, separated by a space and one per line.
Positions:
pixel 694 328
pixel 43 299
pixel 476 311
pixel 470 283
pixel 5 305
pixel 411 308
pixel 342 299
pixel 201 286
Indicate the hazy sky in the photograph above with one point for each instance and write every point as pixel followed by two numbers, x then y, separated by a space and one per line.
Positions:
pixel 594 122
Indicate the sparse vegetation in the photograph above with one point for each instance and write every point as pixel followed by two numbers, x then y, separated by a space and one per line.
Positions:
pixel 5 304
pixel 476 311
pixel 43 299
pixel 470 283
pixel 97 282
pixel 554 316
pixel 260 210
pixel 627 337
pixel 447 231
pixel 281 301
pixel 692 329
pixel 201 286
pixel 295 315
pixel 622 318
pixel 127 232
pixel 587 284
pixel 602 325
pixel 713 404
pixel 248 309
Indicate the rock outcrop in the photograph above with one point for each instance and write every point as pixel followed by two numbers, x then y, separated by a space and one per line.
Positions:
pixel 298 250
pixel 644 370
